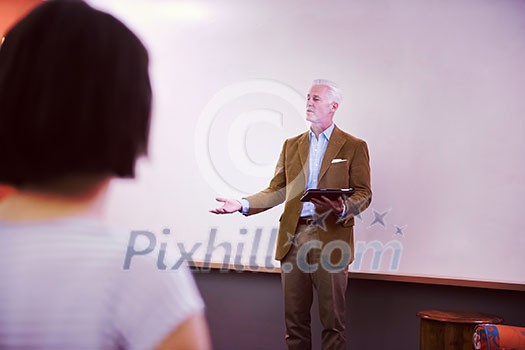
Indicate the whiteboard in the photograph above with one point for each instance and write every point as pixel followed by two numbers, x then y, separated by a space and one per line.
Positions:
pixel 435 88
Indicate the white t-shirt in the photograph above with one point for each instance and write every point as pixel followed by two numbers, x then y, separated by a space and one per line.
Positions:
pixel 63 286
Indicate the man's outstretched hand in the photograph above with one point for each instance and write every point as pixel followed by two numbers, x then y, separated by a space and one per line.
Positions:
pixel 229 206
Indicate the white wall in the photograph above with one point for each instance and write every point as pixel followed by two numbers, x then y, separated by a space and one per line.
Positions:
pixel 434 87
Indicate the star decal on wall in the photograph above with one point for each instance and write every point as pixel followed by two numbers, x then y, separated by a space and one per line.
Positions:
pixel 400 230
pixel 379 218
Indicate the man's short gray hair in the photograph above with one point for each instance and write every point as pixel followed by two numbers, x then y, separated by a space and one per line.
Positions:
pixel 333 89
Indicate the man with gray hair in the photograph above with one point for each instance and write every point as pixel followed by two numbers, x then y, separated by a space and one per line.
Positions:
pixel 315 244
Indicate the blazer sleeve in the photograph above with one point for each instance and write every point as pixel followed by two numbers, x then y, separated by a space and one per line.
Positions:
pixel 359 181
pixel 275 193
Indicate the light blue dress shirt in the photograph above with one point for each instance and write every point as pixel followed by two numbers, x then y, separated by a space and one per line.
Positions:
pixel 315 158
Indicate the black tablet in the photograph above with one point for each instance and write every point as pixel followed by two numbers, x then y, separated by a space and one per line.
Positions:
pixel 330 193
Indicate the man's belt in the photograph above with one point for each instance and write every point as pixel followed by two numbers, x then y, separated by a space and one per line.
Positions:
pixel 305 220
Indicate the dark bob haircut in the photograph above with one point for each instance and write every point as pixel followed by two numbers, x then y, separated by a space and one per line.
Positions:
pixel 75 96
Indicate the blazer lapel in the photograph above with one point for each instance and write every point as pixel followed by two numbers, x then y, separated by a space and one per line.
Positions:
pixel 334 145
pixel 304 150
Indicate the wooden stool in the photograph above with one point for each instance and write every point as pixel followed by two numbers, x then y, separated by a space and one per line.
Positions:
pixel 450 330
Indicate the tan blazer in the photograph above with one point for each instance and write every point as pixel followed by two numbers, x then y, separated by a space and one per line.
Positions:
pixel 351 169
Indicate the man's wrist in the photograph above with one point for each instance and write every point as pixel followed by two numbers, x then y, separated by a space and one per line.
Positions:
pixel 342 213
pixel 245 206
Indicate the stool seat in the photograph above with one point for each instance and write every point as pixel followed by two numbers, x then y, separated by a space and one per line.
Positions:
pixel 451 330
pixel 459 316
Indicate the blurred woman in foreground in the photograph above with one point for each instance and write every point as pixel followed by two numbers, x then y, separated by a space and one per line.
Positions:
pixel 75 102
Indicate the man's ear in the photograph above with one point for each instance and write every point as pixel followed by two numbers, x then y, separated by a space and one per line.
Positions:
pixel 335 105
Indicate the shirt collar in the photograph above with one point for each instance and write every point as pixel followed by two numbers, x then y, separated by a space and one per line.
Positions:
pixel 326 133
